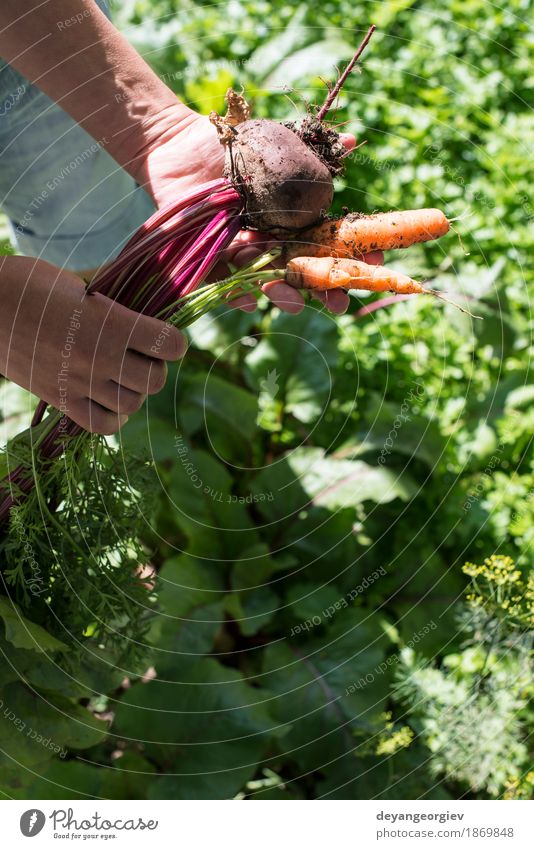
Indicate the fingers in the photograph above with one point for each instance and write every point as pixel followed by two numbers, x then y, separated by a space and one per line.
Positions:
pixel 96 419
pixel 157 375
pixel 142 333
pixel 291 301
pixel 374 258
pixel 348 140
pixel 247 245
pixel 336 300
pixel 156 339
pixel 285 297
pixel 247 303
pixel 140 374
pixel 116 398
pixel 245 255
pixel 111 402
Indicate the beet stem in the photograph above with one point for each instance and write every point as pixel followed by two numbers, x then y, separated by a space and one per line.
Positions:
pixel 333 93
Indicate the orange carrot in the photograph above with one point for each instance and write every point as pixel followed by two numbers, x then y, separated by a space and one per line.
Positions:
pixel 323 273
pixel 356 234
pixel 320 273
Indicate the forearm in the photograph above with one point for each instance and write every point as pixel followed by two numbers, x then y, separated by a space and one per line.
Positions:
pixel 70 50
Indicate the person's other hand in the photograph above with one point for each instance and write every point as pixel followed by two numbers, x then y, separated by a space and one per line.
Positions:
pixel 88 356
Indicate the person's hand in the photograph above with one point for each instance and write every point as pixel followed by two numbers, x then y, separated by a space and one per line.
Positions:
pixel 188 153
pixel 88 356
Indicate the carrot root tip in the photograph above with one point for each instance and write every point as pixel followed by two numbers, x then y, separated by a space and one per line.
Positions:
pixel 457 234
pixel 447 300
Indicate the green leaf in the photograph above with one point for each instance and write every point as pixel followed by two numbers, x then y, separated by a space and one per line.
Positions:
pixel 207 93
pixel 256 566
pixel 127 780
pixel 388 11
pixel 253 609
pixel 396 430
pixel 35 727
pixel 202 504
pixel 206 397
pixel 215 706
pixel 191 594
pixel 521 398
pixel 307 599
pixel 24 634
pixel 493 405
pixel 218 771
pixel 336 484
pixel 307 477
pixel 254 602
pixel 185 582
pixel 324 544
pixel 292 365
pixel 92 674
pixel 315 684
pixel 221 331
pixel 496 330
pixel 150 436
pixel 209 733
pixel 292 36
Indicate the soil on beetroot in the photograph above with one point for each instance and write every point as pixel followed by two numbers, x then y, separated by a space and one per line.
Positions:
pixel 325 143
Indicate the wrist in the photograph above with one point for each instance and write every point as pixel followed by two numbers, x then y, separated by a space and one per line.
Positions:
pixel 148 132
pixel 15 283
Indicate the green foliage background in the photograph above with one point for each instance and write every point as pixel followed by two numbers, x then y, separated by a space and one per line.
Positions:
pixel 319 482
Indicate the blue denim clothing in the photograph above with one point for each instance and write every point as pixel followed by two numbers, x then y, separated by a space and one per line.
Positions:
pixel 67 200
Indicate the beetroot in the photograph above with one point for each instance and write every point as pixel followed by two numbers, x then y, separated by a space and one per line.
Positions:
pixel 284 185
